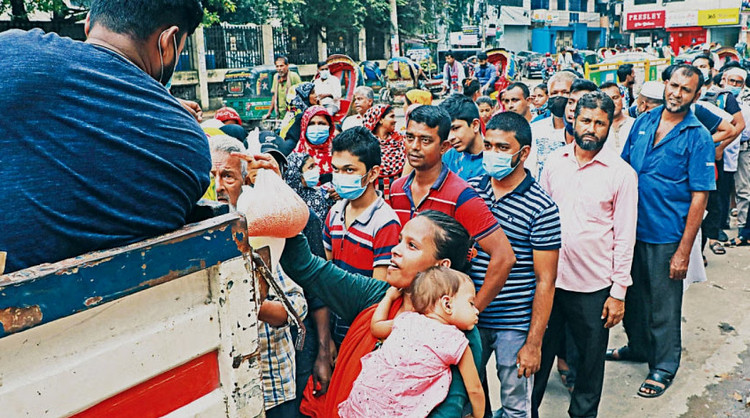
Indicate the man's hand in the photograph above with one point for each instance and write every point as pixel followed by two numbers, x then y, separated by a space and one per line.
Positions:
pixel 258 161
pixel 333 195
pixel 529 360
pixel 322 372
pixel 678 265
pixel 613 311
pixel 194 109
pixel 267 115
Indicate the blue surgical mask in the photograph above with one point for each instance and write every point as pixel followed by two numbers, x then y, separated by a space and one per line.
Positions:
pixel 498 164
pixel 735 90
pixel 312 177
pixel 348 186
pixel 317 134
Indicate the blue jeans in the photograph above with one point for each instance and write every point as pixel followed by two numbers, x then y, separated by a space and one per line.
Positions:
pixel 515 392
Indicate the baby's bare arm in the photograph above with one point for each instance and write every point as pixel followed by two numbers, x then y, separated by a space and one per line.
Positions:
pixel 473 385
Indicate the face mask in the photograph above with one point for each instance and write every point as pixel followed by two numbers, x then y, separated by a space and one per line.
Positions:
pixel 348 186
pixel 499 164
pixel 557 105
pixel 168 84
pixel 317 134
pixel 706 74
pixel 324 74
pixel 312 177
pixel 735 90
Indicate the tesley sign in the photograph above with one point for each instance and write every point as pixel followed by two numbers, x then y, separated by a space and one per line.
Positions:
pixel 645 20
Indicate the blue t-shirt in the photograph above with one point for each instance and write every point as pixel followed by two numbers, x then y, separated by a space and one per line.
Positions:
pixel 706 117
pixel 531 221
pixel 681 163
pixel 464 164
pixel 95 152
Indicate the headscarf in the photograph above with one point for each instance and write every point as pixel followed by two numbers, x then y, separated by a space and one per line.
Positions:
pixel 315 198
pixel 321 153
pixel 419 96
pixel 391 148
pixel 301 100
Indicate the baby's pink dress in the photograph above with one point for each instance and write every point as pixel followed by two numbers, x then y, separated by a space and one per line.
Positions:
pixel 410 374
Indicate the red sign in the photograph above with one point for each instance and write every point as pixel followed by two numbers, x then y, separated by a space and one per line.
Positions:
pixel 645 20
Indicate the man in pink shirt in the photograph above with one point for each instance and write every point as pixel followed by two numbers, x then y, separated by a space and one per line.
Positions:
pixel 597 195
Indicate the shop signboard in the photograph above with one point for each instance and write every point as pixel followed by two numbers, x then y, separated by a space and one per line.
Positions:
pixel 682 19
pixel 545 16
pixel 716 17
pixel 645 20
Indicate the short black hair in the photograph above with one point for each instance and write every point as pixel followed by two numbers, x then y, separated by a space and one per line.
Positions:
pixel 139 19
pixel 471 86
pixel 542 87
pixel 460 107
pixel 689 70
pixel 433 117
pixel 322 63
pixel 608 84
pixel 704 57
pixel 485 100
pixel 512 122
pixel 359 142
pixel 281 57
pixel 449 54
pixel 452 241
pixel 581 84
pixel 517 85
pixel 596 100
pixel 624 71
pixel 667 73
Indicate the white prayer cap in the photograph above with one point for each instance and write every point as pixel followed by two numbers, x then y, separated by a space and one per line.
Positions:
pixel 653 90
pixel 741 72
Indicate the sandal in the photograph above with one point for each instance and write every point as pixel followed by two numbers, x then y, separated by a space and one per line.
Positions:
pixel 717 248
pixel 620 354
pixel 738 242
pixel 657 376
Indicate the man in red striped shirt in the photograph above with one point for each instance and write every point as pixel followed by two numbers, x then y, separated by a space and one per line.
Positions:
pixel 431 186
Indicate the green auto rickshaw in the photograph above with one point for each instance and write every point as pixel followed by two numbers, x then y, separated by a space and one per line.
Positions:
pixel 248 91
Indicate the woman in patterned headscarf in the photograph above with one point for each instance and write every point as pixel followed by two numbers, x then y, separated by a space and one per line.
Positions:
pixel 316 198
pixel 316 137
pixel 381 120
pixel 304 98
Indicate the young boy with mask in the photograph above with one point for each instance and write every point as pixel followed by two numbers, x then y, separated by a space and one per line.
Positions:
pixel 361 229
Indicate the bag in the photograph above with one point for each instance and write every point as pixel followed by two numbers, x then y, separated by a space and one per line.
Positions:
pixel 272 208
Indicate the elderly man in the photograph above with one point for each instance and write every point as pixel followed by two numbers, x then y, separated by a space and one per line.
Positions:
pixel 277 358
pixel 363 100
pixel 109 157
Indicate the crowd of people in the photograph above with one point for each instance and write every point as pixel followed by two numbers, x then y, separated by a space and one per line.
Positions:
pixel 525 226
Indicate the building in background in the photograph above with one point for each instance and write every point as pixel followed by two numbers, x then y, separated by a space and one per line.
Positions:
pixel 567 23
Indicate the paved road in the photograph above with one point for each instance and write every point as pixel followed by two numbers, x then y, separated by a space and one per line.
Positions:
pixel 716 337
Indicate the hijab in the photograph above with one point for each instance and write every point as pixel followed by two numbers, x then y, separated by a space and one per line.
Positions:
pixel 321 153
pixel 315 198
pixel 391 148
pixel 301 100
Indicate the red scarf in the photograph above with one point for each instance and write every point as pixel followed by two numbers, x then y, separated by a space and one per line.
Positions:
pixel 357 343
pixel 320 153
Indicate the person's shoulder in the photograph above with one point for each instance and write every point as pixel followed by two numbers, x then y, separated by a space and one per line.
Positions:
pixel 542 198
pixel 384 212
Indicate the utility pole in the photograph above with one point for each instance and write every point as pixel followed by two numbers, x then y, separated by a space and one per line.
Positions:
pixel 395 44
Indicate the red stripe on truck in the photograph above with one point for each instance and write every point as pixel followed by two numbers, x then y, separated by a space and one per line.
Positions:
pixel 162 394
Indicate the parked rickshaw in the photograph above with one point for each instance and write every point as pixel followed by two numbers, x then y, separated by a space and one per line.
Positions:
pixel 350 75
pixel 402 75
pixel 727 54
pixel 506 67
pixel 248 91
pixel 373 77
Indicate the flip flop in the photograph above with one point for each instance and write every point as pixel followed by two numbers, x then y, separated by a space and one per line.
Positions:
pixel 738 242
pixel 717 248
pixel 657 376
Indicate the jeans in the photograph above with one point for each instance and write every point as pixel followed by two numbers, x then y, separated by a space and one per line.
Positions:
pixel 515 392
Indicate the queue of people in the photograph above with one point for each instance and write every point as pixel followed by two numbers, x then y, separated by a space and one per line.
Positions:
pixel 525 227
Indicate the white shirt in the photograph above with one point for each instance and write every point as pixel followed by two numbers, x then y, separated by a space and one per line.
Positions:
pixel 618 136
pixel 352 121
pixel 732 151
pixel 544 140
pixel 332 86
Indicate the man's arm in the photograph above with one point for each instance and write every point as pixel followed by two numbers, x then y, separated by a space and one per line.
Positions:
pixel 493 77
pixel 678 265
pixel 325 359
pixel 529 357
pixel 501 262
pixel 274 102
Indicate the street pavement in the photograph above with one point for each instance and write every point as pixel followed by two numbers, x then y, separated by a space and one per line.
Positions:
pixel 712 375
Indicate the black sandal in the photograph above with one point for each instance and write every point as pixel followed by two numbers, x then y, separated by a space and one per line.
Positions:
pixel 738 242
pixel 620 354
pixel 717 248
pixel 657 376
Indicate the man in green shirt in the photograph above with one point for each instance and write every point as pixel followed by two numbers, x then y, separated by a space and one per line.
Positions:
pixel 283 84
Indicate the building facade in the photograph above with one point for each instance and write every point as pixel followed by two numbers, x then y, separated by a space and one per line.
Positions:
pixel 567 23
pixel 682 23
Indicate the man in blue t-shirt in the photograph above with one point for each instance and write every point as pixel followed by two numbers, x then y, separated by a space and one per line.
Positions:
pixel 96 152
pixel 512 325
pixel 486 74
pixel 465 155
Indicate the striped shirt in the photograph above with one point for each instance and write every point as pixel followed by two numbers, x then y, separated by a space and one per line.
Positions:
pixel 277 354
pixel 531 221
pixel 450 195
pixel 364 245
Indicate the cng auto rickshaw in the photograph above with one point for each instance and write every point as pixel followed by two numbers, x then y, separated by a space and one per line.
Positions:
pixel 401 76
pixel 350 75
pixel 248 91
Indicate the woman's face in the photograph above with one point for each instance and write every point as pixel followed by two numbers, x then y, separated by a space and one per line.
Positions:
pixel 389 121
pixel 319 120
pixel 312 98
pixel 414 253
pixel 307 166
